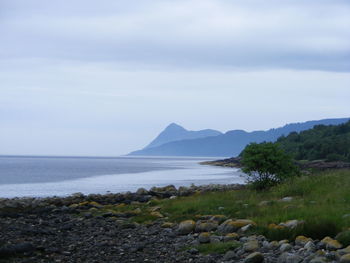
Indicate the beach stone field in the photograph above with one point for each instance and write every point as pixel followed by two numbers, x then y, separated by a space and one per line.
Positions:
pixel 70 229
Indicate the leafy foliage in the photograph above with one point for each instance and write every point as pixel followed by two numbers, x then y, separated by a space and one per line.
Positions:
pixel 331 143
pixel 266 165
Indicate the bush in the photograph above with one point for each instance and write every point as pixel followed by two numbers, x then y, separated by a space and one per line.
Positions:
pixel 266 165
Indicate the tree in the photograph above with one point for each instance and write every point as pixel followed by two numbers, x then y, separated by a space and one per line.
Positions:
pixel 266 165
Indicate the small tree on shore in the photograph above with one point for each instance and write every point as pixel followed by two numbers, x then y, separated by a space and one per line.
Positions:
pixel 266 165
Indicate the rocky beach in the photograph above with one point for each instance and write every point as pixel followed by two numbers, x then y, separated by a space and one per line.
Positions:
pixel 101 228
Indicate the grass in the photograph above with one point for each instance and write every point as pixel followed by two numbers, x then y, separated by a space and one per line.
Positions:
pixel 320 200
pixel 216 248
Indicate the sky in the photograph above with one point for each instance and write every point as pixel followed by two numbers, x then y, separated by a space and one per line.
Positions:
pixel 103 78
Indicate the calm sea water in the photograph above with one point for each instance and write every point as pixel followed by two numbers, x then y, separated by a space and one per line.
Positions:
pixel 48 176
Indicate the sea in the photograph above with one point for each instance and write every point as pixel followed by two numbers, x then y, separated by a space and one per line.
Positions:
pixel 42 176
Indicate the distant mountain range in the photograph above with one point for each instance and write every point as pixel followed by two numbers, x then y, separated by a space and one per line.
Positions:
pixel 177 141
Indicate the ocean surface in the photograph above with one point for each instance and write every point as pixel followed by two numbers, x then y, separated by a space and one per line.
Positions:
pixel 60 176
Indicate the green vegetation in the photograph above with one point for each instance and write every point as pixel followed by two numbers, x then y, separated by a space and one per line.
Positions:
pixel 344 238
pixel 331 143
pixel 320 201
pixel 218 248
pixel 266 165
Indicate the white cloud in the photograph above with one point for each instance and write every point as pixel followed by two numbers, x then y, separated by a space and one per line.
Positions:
pixel 102 79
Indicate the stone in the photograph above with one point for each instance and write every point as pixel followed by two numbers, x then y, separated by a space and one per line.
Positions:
pixel 284 241
pixel 167 225
pixel 287 199
pixel 156 214
pixel 292 223
pixel 142 191
pixel 274 244
pixel 227 227
pixel 310 246
pixel 215 239
pixel 289 258
pixel 345 258
pixel 246 228
pixel 206 226
pixel 274 226
pixel 231 237
pixel 230 226
pixel 154 208
pixel 330 243
pixel 186 227
pixel 218 218
pixel 250 246
pixel 302 240
pixel 230 255
pixel 344 251
pixel 285 247
pixel 204 237
pixel 255 257
pixel 318 260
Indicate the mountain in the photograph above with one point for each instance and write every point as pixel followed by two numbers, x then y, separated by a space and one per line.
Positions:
pixel 331 143
pixel 229 144
pixel 175 132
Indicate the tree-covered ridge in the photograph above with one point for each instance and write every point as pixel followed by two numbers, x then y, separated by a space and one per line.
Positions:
pixel 331 143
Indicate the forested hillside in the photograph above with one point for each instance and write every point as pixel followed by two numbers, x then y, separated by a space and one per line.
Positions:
pixel 331 143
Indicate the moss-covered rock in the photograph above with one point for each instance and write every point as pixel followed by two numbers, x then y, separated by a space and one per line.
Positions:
pixel 186 227
pixel 206 226
pixel 331 243
pixel 204 237
pixel 302 240
pixel 255 257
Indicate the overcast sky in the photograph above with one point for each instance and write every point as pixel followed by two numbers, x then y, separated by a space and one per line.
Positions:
pixel 105 77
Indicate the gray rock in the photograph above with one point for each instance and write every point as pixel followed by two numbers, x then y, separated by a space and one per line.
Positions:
pixel 318 260
pixel 345 258
pixel 287 199
pixel 142 191
pixel 230 255
pixel 206 226
pixel 289 258
pixel 204 237
pixel 255 257
pixel 186 227
pixel 215 239
pixel 245 228
pixel 285 247
pixel 251 246
pixel 310 246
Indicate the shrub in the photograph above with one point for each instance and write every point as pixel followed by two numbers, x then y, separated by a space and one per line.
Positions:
pixel 266 165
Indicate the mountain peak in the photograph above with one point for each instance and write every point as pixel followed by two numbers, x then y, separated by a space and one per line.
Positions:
pixel 174 126
pixel 175 132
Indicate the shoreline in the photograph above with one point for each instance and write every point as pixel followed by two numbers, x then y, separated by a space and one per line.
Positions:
pixel 141 195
